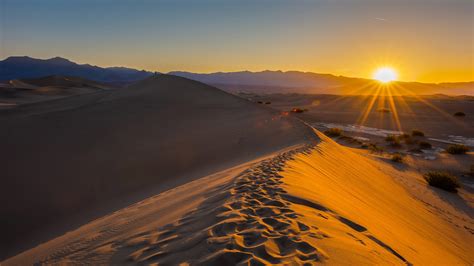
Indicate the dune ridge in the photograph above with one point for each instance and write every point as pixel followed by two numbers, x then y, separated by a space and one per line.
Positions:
pixel 67 161
pixel 314 203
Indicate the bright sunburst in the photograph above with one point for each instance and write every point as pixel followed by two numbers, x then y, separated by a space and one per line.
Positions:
pixel 385 74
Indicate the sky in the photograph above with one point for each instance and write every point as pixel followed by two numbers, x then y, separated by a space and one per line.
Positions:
pixel 423 40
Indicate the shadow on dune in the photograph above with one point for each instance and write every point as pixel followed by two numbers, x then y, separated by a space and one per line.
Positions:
pixel 64 160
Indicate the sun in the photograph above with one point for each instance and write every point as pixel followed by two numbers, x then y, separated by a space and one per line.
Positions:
pixel 385 74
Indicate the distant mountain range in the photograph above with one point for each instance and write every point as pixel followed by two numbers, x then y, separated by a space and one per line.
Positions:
pixel 19 67
pixel 314 83
pixel 252 82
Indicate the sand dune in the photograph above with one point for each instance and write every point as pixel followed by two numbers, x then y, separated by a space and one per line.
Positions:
pixel 314 203
pixel 67 161
pixel 23 91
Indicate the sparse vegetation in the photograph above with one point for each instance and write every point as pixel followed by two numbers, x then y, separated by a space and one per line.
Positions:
pixel 268 102
pixel 396 143
pixel 397 158
pixel 443 180
pixel 460 114
pixel 457 149
pixel 424 145
pixel 373 147
pixel 390 138
pixel 333 132
pixel 404 136
pixel 417 133
pixel 298 110
pixel 472 170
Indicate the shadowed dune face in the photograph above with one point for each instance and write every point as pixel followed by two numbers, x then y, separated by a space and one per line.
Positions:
pixel 23 91
pixel 63 157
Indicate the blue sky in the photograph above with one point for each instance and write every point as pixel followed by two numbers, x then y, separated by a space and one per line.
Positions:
pixel 427 40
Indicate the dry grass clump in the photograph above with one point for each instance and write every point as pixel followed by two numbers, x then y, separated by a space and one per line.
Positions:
pixel 333 132
pixel 298 110
pixel 443 180
pixel 417 133
pixel 394 141
pixel 460 114
pixel 397 158
pixel 372 147
pixel 457 149
pixel 424 145
pixel 390 138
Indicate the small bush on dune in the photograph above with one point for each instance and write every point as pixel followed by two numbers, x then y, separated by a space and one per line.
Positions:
pixel 424 145
pixel 374 147
pixel 459 114
pixel 391 138
pixel 417 133
pixel 297 110
pixel 404 136
pixel 442 180
pixel 397 158
pixel 457 149
pixel 333 132
pixel 472 170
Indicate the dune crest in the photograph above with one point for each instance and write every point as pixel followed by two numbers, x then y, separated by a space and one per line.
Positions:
pixel 317 203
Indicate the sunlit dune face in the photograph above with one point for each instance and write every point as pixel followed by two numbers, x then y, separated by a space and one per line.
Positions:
pixel 385 74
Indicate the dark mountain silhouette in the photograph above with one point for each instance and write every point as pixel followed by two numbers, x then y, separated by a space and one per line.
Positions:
pixel 20 67
pixel 244 81
pixel 308 82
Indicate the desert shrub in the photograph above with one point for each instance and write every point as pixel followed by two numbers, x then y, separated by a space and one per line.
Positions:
pixel 374 147
pixel 424 145
pixel 391 138
pixel 397 158
pixel 394 142
pixel 298 110
pixel 457 149
pixel 350 139
pixel 333 132
pixel 442 180
pixel 268 102
pixel 417 133
pixel 459 114
pixel 260 102
pixel 472 170
pixel 404 136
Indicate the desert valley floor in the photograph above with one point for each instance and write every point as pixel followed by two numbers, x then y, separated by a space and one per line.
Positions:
pixel 173 171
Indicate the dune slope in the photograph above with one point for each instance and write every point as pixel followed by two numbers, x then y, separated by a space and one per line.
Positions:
pixel 67 161
pixel 317 203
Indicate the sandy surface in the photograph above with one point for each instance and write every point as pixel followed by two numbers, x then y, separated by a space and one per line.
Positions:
pixel 173 171
pixel 431 114
pixel 27 91
pixel 318 203
pixel 68 161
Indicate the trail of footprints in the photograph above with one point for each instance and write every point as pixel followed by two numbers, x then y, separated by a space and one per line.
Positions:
pixel 246 222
